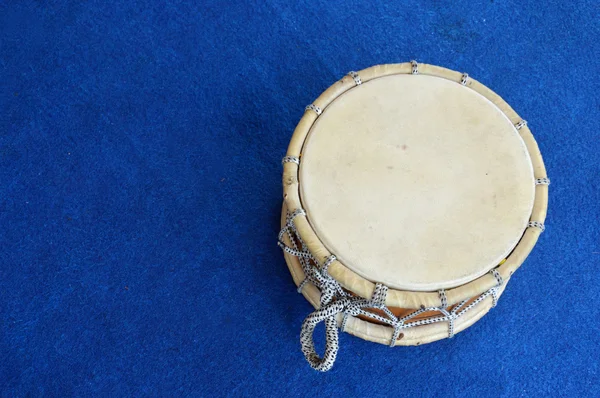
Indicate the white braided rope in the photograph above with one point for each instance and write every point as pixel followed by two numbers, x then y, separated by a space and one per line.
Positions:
pixel 537 224
pixel 313 107
pixel 290 159
pixel 495 290
pixel 415 67
pixel 464 79
pixel 356 77
pixel 542 181
pixel 521 124
pixel 335 300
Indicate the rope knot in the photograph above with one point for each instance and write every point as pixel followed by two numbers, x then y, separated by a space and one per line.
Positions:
pixel 350 307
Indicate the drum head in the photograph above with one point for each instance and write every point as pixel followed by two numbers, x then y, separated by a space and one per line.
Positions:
pixel 416 182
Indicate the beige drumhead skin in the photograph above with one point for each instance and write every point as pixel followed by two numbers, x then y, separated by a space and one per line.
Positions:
pixel 416 182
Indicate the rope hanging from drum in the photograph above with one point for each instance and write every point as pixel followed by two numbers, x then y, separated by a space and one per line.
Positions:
pixel 335 300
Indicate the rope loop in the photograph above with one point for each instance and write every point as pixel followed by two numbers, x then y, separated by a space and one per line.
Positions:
pixel 336 301
pixel 327 313
pixel 414 67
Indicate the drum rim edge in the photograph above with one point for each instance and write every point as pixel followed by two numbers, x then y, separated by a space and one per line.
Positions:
pixel 406 298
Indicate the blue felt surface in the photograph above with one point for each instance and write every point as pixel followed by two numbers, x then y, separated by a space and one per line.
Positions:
pixel 140 194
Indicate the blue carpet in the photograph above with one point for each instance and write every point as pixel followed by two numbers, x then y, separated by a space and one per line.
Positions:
pixel 140 147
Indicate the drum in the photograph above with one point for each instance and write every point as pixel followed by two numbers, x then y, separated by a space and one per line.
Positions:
pixel 411 194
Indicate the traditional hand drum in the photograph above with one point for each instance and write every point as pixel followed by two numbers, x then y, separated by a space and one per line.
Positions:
pixel 411 195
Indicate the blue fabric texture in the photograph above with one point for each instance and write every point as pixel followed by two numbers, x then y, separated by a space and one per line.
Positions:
pixel 140 194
